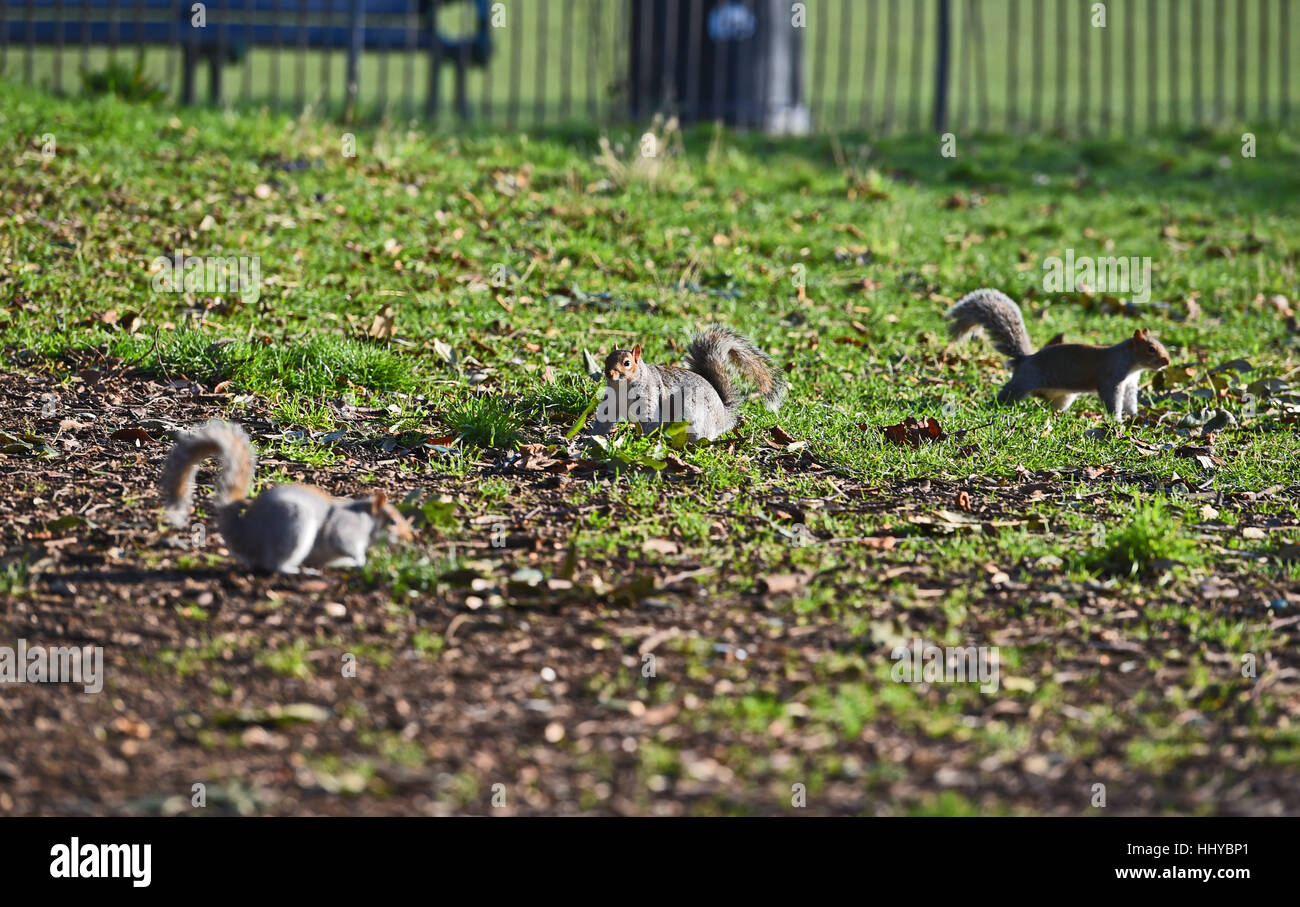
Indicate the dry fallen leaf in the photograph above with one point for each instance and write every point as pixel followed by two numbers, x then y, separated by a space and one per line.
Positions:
pixel 134 435
pixel 781 582
pixel 910 432
pixel 659 546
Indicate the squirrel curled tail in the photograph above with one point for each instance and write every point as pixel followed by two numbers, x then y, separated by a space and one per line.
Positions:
pixel 715 351
pixel 993 311
pixel 224 440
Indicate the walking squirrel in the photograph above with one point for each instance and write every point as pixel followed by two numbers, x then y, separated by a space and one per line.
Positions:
pixel 285 526
pixel 700 393
pixel 1058 372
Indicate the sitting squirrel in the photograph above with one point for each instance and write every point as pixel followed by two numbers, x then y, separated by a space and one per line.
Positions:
pixel 699 394
pixel 1058 372
pixel 285 526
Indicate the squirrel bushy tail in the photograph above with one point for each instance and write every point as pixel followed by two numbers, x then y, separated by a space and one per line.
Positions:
pixel 998 315
pixel 716 351
pixel 214 439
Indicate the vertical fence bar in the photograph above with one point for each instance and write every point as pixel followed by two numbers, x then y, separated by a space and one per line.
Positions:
pixel 1107 95
pixel 1284 61
pixel 1263 60
pixel 1085 39
pixel 691 90
pixel 1219 64
pixel 1130 69
pixel 962 69
pixel 189 58
pixel 918 44
pixel 216 60
pixel 891 65
pixel 566 57
pixel 410 30
pixel 300 66
pixel 381 95
pixel 942 63
pixel 58 43
pixel 620 52
pixel 356 39
pixel 85 35
pixel 139 29
pixel 114 32
pixel 1062 53
pixel 1171 43
pixel 539 100
pixel 722 79
pixel 485 95
pixel 326 58
pixel 978 61
pixel 433 96
pixel 816 103
pixel 754 110
pixel 30 33
pixel 1240 114
pixel 594 39
pixel 246 76
pixel 173 31
pixel 276 12
pixel 1198 113
pixel 516 66
pixel 869 62
pixel 671 89
pixel 1013 61
pixel 645 32
pixel 846 18
pixel 1153 72
pixel 1036 98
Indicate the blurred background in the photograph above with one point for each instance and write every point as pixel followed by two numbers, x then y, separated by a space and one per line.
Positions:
pixel 886 66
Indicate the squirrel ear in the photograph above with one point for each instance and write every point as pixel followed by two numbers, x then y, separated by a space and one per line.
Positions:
pixel 378 501
pixel 1138 334
pixel 636 352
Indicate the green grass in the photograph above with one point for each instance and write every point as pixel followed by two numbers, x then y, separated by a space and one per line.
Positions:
pixel 420 222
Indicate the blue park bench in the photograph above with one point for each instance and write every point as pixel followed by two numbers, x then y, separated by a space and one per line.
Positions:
pixel 232 27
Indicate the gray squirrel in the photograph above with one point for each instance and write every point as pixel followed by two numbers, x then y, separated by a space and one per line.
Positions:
pixel 1059 372
pixel 700 393
pixel 285 526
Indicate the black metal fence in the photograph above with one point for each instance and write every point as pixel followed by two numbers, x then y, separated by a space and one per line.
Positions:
pixel 1074 66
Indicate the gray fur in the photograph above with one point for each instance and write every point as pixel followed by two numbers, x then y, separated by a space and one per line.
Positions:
pixel 699 394
pixel 997 314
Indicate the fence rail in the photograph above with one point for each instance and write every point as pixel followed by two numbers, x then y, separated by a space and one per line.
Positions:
pixel 1073 66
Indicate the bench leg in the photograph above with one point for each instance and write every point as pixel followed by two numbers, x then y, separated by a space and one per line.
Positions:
pixel 462 90
pixel 188 62
pixel 214 78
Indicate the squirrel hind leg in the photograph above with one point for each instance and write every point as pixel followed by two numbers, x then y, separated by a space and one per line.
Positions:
pixel 1061 402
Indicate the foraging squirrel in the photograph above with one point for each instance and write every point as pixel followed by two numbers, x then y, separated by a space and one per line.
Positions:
pixel 285 526
pixel 699 394
pixel 1058 372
